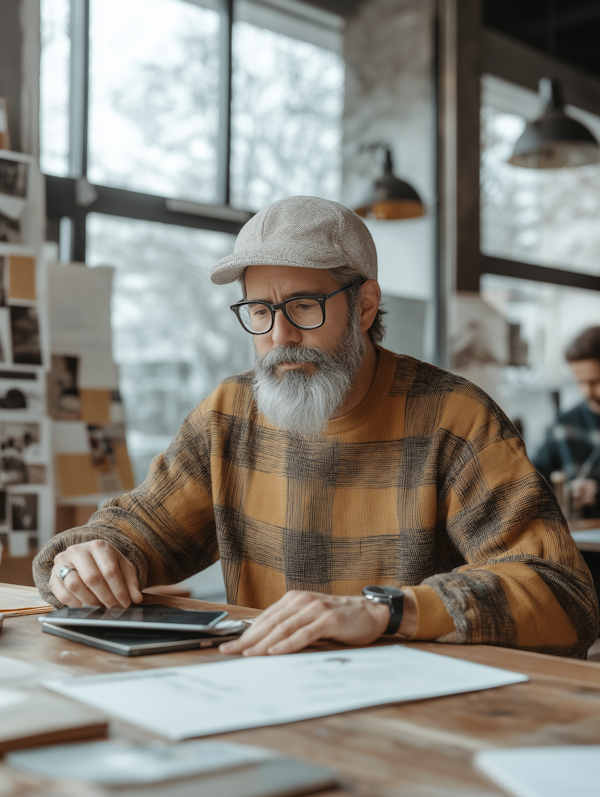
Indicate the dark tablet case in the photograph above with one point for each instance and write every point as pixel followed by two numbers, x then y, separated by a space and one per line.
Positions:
pixel 128 643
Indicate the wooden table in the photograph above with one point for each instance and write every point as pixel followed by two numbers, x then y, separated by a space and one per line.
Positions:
pixel 585 524
pixel 424 749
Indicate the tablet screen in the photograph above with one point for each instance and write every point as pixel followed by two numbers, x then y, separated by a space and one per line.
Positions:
pixel 155 616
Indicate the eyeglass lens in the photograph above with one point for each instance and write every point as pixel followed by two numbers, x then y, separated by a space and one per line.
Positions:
pixel 307 313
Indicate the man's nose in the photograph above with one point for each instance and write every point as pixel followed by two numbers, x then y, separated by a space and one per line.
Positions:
pixel 283 332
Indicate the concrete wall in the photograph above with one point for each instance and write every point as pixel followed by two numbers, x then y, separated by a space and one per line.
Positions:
pixel 390 97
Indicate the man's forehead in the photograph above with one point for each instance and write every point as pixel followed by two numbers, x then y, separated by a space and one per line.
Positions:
pixel 258 279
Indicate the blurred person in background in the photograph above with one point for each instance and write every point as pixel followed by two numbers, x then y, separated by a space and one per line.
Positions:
pixel 572 443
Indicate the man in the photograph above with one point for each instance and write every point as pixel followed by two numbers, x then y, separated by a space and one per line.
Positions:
pixel 572 444
pixel 334 466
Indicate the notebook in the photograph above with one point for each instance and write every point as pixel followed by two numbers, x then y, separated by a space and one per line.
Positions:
pixel 30 719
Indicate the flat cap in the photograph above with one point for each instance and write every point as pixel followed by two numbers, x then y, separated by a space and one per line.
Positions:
pixel 304 232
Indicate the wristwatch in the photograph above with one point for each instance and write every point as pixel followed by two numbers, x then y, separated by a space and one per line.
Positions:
pixel 392 597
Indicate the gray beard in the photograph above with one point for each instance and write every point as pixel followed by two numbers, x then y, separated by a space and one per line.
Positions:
pixel 302 403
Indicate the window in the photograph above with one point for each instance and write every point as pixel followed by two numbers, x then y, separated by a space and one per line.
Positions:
pixel 154 97
pixel 54 87
pixel 153 139
pixel 174 335
pixel 545 217
pixel 286 118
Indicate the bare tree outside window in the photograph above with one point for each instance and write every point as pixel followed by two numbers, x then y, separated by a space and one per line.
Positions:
pixel 174 335
pixel 286 118
pixel 546 217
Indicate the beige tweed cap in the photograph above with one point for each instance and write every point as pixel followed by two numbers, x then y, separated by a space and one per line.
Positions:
pixel 301 231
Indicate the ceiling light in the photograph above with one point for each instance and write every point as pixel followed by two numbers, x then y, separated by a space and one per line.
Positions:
pixel 555 140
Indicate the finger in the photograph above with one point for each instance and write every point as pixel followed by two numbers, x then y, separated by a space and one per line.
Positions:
pixel 256 633
pixel 112 584
pixel 62 593
pixel 76 586
pixel 303 637
pixel 285 629
pixel 131 580
pixel 90 579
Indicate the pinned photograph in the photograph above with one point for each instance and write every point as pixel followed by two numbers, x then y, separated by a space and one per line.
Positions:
pixel 5 347
pixel 21 454
pixel 13 177
pixel 24 512
pixel 10 230
pixel 104 441
pixel 25 330
pixel 3 275
pixel 64 402
pixel 21 390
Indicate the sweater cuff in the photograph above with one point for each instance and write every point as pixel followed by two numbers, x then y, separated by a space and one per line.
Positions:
pixel 433 618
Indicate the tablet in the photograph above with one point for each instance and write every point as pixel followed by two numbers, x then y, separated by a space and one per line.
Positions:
pixel 156 616
pixel 134 642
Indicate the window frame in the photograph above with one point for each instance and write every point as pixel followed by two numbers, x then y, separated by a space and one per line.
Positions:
pixel 522 66
pixel 70 199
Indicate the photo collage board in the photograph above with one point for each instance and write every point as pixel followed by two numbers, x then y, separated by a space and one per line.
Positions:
pixel 88 420
pixel 26 488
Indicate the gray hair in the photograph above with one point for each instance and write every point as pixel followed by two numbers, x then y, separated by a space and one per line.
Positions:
pixel 345 275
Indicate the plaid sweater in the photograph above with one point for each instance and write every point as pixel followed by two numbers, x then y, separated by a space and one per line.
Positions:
pixel 425 484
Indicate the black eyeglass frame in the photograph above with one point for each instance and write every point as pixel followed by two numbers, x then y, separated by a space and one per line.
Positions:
pixel 321 298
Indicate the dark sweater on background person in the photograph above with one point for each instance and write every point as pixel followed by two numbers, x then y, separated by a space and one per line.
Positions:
pixel 569 442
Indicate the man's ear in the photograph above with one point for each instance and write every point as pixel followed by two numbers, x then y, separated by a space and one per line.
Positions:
pixel 370 296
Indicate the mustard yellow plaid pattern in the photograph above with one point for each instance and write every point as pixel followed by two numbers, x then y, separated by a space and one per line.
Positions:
pixel 425 484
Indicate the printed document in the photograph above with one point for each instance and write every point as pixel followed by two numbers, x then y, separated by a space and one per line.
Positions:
pixel 198 700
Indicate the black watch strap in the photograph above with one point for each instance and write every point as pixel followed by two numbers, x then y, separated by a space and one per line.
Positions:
pixel 392 597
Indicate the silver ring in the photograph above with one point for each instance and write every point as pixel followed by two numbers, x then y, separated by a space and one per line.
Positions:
pixel 64 572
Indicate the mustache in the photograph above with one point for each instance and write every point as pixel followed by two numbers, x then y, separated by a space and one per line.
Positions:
pixel 292 354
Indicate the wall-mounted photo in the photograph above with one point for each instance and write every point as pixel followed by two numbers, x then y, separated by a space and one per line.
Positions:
pixel 21 453
pixel 25 329
pixel 21 390
pixel 62 385
pixel 13 177
pixel 3 277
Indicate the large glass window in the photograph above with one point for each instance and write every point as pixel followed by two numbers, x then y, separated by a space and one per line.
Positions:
pixel 286 117
pixel 545 217
pixel 54 86
pixel 174 335
pixel 154 113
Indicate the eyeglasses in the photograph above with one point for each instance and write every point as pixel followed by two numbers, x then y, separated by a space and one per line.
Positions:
pixel 303 312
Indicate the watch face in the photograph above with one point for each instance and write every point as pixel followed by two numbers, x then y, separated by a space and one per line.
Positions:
pixel 376 592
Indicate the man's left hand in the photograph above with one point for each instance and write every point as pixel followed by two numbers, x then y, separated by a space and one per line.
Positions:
pixel 301 618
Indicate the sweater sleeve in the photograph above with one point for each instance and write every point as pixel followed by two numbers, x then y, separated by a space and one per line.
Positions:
pixel 523 583
pixel 165 527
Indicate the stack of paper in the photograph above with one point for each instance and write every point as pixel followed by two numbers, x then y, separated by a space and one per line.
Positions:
pixel 544 771
pixel 16 600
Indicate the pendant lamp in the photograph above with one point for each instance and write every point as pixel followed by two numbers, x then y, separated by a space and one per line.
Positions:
pixel 555 140
pixel 391 198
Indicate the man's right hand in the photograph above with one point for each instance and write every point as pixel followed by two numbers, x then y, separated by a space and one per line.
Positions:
pixel 102 577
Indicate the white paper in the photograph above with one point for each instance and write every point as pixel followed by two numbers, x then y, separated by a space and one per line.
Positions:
pixel 544 771
pixel 11 669
pixel 71 437
pixel 10 698
pixel 182 702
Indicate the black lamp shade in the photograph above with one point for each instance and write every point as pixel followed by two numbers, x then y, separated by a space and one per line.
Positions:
pixel 392 198
pixel 555 140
